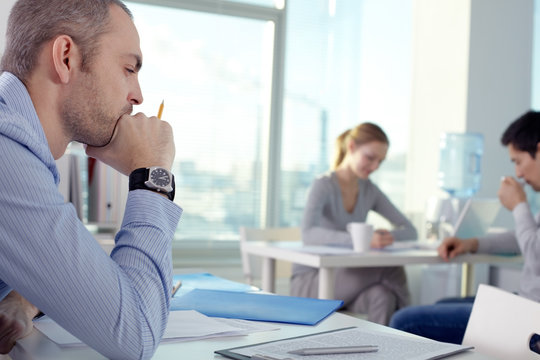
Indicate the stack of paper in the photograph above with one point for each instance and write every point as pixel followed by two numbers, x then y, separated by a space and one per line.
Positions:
pixel 390 346
pixel 182 326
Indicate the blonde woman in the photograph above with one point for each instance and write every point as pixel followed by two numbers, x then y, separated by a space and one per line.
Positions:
pixel 346 195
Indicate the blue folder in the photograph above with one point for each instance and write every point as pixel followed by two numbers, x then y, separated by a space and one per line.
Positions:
pixel 256 306
pixel 208 282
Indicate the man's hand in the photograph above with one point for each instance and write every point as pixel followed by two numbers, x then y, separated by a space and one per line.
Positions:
pixel 452 246
pixel 138 141
pixel 16 315
pixel 511 193
pixel 381 238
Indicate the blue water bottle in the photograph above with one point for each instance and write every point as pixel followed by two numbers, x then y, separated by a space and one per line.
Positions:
pixel 460 160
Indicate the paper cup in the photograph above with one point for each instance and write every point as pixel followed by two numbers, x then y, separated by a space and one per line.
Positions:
pixel 361 234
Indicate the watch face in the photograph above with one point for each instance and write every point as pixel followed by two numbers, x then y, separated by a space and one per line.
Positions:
pixel 160 177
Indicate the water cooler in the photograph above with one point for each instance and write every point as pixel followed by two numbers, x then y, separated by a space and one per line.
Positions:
pixel 459 178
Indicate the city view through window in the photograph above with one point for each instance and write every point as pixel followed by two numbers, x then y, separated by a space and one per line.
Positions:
pixel 346 62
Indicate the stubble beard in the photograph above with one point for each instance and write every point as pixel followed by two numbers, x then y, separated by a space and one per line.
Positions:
pixel 85 116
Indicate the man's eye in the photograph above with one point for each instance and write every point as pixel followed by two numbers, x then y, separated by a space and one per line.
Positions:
pixel 131 71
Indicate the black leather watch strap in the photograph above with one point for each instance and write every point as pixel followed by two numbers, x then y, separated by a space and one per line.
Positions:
pixel 39 315
pixel 138 178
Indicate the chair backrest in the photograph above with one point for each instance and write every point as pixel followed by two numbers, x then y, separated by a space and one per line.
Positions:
pixel 502 324
pixel 251 265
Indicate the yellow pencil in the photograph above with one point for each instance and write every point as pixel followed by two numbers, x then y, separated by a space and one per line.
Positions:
pixel 160 111
pixel 176 287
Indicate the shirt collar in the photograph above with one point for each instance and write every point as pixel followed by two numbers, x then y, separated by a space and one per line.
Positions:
pixel 17 100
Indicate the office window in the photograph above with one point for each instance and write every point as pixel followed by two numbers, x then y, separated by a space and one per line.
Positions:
pixel 346 62
pixel 270 3
pixel 535 101
pixel 532 196
pixel 214 73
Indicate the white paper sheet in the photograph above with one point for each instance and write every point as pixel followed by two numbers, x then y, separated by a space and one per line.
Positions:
pixel 182 326
pixel 390 346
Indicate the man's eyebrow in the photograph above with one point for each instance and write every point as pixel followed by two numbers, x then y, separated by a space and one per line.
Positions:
pixel 138 60
pixel 138 65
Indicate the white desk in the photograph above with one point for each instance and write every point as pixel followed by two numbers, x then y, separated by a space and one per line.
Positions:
pixel 37 347
pixel 292 252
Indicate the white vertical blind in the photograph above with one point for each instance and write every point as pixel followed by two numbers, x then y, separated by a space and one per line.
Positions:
pixel 214 73
pixel 216 65
pixel 347 62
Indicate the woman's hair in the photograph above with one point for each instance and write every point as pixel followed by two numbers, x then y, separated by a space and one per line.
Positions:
pixel 32 23
pixel 361 134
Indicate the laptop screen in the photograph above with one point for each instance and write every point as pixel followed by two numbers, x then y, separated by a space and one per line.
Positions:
pixel 476 217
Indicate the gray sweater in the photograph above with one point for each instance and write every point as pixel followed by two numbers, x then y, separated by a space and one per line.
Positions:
pixel 525 240
pixel 325 218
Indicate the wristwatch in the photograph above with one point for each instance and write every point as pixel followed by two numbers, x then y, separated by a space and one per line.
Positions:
pixel 153 178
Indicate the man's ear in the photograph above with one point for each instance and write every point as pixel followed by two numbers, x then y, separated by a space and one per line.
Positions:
pixel 65 56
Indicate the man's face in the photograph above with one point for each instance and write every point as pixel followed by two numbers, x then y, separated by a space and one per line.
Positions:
pixel 527 167
pixel 110 87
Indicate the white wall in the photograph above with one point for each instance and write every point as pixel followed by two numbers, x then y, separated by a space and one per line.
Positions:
pixel 471 72
pixel 439 90
pixel 500 78
pixel 5 7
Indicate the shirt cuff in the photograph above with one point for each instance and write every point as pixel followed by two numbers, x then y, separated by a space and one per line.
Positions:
pixel 521 209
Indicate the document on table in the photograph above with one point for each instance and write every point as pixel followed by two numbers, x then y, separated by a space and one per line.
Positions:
pixel 182 326
pixel 396 246
pixel 412 245
pixel 208 281
pixel 391 346
pixel 326 250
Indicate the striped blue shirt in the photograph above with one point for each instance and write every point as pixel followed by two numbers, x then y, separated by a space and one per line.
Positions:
pixel 118 305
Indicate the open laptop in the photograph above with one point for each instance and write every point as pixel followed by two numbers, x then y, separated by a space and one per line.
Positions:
pixel 476 217
pixel 474 220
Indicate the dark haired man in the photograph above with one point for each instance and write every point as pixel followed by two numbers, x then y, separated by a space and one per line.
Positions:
pixel 71 74
pixel 447 320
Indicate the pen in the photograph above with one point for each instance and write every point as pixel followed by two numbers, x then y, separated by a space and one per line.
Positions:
pixel 336 350
pixel 176 287
pixel 265 357
pixel 160 111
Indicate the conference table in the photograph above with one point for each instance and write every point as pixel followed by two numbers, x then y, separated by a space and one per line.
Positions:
pixel 328 259
pixel 38 347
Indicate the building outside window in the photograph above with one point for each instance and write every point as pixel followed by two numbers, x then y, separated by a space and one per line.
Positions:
pixel 346 62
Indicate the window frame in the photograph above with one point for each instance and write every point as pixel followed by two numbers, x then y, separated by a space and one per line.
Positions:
pixel 272 146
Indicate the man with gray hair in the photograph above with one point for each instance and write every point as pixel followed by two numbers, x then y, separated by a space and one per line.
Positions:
pixel 70 73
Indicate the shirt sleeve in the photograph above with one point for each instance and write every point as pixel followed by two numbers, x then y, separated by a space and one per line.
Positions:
pixel 403 229
pixel 524 239
pixel 313 231
pixel 118 305
pixel 4 290
pixel 527 231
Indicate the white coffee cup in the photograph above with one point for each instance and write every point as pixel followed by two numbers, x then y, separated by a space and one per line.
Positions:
pixel 361 234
